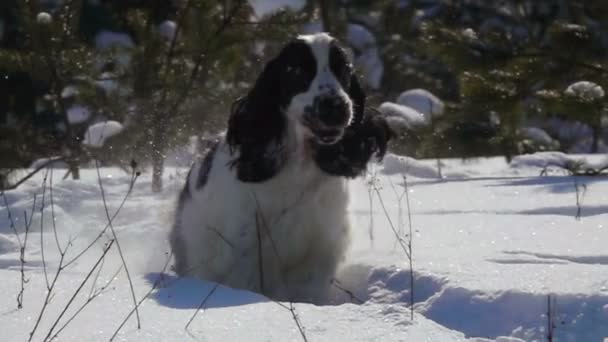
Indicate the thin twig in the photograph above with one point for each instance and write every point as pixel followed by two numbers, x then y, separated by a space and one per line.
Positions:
pixel 84 281
pixel 580 195
pixel 10 218
pixel 170 55
pixel 550 318
pixel 115 238
pixel 53 214
pixel 28 224
pixel 154 287
pixel 370 197
pixel 94 282
pixel 410 244
pixel 399 198
pixel 92 296
pixel 407 247
pixel 202 56
pixel 336 283
pixel 262 220
pixel 49 293
pixel 260 254
pixel 399 239
pixel 134 177
pixel 22 245
pixel 33 173
pixel 296 319
pixel 46 277
pixel 202 304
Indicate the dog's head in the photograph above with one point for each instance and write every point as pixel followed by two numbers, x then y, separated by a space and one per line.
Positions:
pixel 310 87
pixel 311 83
pixel 327 96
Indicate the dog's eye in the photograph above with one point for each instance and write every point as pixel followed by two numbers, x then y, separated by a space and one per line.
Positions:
pixel 294 70
pixel 343 72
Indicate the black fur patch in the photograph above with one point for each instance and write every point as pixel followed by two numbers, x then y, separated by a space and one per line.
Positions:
pixel 340 65
pixel 203 172
pixel 257 125
pixel 350 156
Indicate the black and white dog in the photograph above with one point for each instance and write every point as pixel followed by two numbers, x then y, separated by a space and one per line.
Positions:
pixel 266 208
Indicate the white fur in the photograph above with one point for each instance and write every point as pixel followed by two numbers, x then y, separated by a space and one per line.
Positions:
pixel 302 209
pixel 323 82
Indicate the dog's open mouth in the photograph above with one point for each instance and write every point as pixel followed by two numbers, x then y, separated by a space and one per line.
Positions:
pixel 328 136
pixel 323 134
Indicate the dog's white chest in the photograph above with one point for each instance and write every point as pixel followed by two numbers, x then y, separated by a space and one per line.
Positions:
pixel 292 225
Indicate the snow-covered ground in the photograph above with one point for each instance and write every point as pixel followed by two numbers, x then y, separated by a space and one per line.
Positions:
pixel 491 241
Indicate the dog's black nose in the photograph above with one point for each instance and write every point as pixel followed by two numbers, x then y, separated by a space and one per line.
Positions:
pixel 332 110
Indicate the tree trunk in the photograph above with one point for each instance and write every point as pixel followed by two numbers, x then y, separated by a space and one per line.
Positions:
pixel 324 7
pixel 75 171
pixel 157 172
pixel 158 157
pixel 596 138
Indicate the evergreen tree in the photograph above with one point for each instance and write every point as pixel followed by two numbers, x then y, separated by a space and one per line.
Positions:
pixel 160 63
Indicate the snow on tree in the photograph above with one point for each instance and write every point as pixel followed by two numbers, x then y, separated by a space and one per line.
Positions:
pixel 118 42
pixel 367 56
pixel 423 101
pixel 402 117
pixel 585 90
pixel 167 29
pixel 262 8
pixel 537 135
pixel 363 50
pixel 98 133
pixel 78 114
pixel 533 139
pixel 44 18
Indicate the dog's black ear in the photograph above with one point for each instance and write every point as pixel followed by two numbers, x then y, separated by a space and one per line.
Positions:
pixel 362 141
pixel 257 126
pixel 357 96
pixel 342 67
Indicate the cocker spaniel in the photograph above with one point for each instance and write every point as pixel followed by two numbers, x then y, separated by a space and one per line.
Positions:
pixel 266 208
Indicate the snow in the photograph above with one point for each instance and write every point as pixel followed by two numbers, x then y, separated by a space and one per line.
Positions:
pixel 97 134
pixel 585 90
pixel 184 156
pixel 403 165
pixel 69 91
pixel 108 39
pixel 266 7
pixel 470 34
pixel 568 130
pixel 585 145
pixel 167 29
pixel 408 166
pixel 78 114
pixel 121 42
pixel 367 56
pixel 423 101
pixel 543 159
pixel 44 18
pixel 537 135
pixel 402 117
pixel 107 82
pixel 40 162
pixel 490 242
pixel 7 245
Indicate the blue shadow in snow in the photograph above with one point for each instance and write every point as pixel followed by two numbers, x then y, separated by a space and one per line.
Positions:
pixel 556 184
pixel 586 211
pixel 580 259
pixel 188 293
